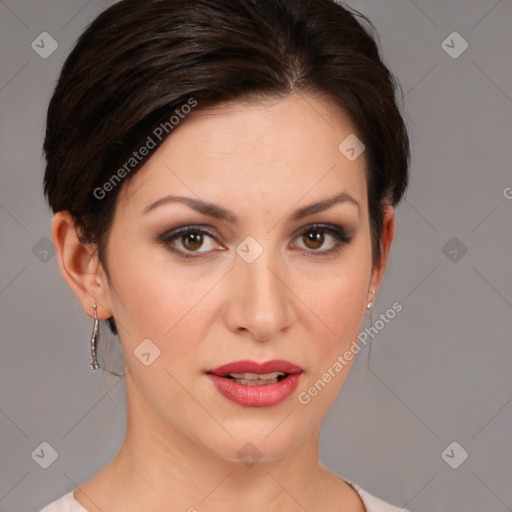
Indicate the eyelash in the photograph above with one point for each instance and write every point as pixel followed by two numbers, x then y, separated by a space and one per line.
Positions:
pixel 340 235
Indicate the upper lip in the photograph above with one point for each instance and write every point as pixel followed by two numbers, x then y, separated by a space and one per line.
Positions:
pixel 277 365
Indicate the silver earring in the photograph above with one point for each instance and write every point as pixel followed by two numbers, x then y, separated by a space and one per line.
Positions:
pixel 94 339
pixel 370 304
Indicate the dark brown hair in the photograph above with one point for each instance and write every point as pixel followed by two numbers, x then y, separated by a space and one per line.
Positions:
pixel 141 61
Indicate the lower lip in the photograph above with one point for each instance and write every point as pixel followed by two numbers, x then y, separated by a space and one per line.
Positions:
pixel 264 395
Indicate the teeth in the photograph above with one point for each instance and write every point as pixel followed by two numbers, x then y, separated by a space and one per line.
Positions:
pixel 254 379
pixel 252 376
pixel 255 382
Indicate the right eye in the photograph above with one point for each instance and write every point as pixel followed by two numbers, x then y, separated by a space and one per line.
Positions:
pixel 184 242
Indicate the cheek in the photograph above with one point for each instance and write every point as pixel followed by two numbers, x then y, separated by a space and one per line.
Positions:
pixel 154 299
pixel 338 308
pixel 337 298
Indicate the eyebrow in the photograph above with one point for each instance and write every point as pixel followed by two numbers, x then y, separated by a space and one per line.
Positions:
pixel 213 210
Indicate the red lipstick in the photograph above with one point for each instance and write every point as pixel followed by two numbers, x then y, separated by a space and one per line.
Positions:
pixel 253 384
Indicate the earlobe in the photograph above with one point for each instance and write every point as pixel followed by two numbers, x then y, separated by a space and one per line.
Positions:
pixel 80 266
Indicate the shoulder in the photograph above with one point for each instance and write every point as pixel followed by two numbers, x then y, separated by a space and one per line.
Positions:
pixel 66 503
pixel 372 503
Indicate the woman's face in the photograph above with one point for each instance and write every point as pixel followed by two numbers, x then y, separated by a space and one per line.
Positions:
pixel 260 283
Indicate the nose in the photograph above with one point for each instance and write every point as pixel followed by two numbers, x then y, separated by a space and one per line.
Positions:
pixel 258 299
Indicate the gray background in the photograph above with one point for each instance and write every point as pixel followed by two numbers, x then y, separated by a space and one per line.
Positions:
pixel 439 371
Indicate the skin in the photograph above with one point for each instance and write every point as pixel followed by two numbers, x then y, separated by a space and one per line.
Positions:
pixel 262 161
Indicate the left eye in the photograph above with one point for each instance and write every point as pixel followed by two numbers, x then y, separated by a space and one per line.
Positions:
pixel 314 238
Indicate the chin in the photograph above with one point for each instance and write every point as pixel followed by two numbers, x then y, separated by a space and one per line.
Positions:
pixel 258 444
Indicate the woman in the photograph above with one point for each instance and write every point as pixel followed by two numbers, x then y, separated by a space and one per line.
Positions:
pixel 223 175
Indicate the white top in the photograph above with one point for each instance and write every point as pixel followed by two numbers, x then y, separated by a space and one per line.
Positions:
pixel 67 503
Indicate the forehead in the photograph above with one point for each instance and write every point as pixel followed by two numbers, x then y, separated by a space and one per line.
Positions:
pixel 281 149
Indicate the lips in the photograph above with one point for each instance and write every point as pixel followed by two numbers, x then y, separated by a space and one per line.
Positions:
pixel 276 365
pixel 248 390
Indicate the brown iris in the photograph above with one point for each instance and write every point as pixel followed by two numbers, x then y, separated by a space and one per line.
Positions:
pixel 192 241
pixel 313 239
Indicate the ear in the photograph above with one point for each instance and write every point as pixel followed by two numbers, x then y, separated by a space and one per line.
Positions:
pixel 379 267
pixel 80 266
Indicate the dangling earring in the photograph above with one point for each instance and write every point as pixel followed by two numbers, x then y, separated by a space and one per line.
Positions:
pixel 94 339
